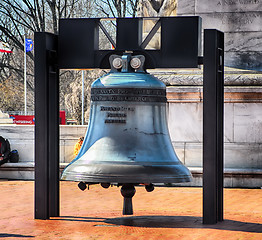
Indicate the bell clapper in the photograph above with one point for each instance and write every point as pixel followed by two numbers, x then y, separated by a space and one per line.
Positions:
pixel 128 191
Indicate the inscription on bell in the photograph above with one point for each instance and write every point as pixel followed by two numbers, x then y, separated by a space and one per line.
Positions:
pixel 121 108
pixel 109 108
pixel 129 91
pixel 123 115
pixel 128 95
pixel 116 114
pixel 115 121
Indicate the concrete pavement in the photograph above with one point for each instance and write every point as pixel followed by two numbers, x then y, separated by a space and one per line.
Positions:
pixel 165 213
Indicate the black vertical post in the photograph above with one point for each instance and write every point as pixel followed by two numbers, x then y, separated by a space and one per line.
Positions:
pixel 54 175
pixel 213 118
pixel 46 127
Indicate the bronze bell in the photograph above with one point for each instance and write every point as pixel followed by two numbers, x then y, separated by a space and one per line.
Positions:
pixel 127 142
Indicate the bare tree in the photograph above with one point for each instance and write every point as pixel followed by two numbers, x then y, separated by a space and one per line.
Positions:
pixel 71 98
pixel 117 8
pixel 24 17
pixel 18 18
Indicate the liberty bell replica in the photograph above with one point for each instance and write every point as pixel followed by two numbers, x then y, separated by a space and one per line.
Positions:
pixel 127 142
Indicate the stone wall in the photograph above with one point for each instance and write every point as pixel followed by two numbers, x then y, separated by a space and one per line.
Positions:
pixel 21 138
pixel 240 20
pixel 242 132
pixel 242 125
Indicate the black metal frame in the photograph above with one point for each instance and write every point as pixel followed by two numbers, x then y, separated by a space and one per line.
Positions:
pixel 213 124
pixel 180 48
pixel 180 42
pixel 46 127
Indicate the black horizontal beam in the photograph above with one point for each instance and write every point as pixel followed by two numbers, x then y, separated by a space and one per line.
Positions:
pixel 78 42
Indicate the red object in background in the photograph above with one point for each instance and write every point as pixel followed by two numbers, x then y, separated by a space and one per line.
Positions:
pixel 23 119
pixel 30 119
pixel 62 118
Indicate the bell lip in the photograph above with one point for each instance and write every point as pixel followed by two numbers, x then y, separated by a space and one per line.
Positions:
pixel 167 172
pixel 125 179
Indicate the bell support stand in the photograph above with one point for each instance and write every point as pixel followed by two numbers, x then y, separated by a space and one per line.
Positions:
pixel 46 127
pixel 77 47
pixel 213 124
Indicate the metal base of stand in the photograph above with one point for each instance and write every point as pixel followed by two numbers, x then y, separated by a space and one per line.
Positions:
pixel 128 206
pixel 128 191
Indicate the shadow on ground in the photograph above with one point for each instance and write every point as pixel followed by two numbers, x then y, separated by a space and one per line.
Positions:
pixel 7 235
pixel 167 222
